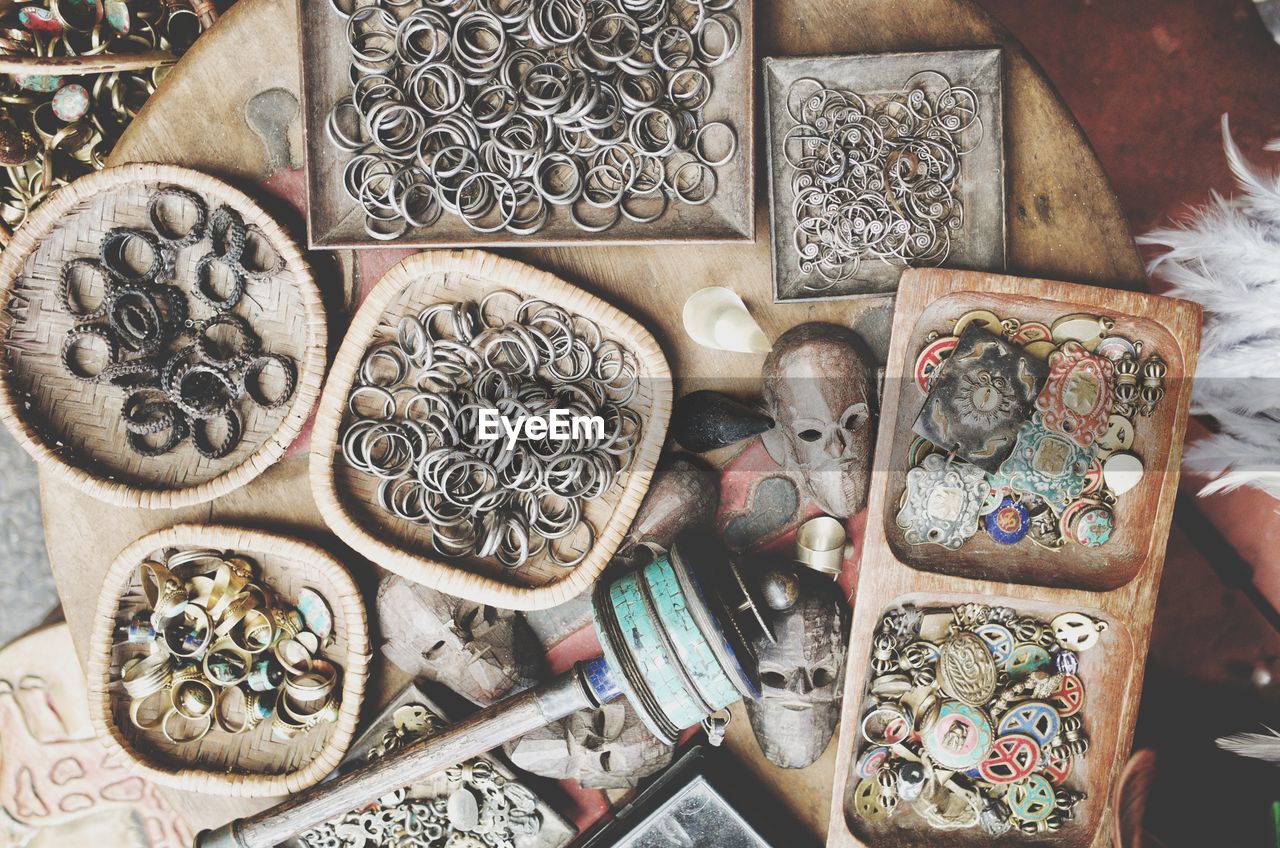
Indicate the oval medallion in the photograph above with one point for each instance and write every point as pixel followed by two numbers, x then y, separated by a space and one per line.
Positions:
pixel 966 669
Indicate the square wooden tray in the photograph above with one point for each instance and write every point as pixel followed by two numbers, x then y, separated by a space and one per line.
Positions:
pixel 1112 671
pixel 334 220
pixel 979 244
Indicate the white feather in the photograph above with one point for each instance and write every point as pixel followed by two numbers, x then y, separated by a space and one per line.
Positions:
pixel 1226 256
pixel 1259 746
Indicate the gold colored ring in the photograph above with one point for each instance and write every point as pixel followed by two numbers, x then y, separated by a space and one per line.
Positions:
pixel 219 714
pixel 292 656
pixel 135 707
pixel 203 625
pixel 193 699
pixel 206 724
pixel 257 635
pixel 226 646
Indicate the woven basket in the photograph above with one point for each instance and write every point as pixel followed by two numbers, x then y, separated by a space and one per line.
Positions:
pixel 248 764
pixel 346 497
pixel 75 428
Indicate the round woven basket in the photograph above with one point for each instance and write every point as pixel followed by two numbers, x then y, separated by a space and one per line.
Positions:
pixel 75 428
pixel 348 499
pixel 247 764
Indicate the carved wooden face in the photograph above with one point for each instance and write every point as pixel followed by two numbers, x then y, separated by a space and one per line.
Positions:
pixel 605 748
pixel 801 677
pixel 481 652
pixel 819 390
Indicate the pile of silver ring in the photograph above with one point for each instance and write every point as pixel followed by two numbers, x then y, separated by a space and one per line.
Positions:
pixel 415 412
pixel 877 178
pixel 499 110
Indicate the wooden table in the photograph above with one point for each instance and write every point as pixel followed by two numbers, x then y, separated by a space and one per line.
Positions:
pixel 1064 223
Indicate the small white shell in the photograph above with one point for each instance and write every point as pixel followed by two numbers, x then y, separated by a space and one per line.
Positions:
pixel 716 317
pixel 1121 472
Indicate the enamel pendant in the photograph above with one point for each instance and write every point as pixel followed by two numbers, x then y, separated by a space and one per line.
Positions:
pixel 1077 395
pixel 941 502
pixel 1046 464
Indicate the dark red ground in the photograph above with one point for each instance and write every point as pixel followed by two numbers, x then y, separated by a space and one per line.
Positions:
pixel 1149 80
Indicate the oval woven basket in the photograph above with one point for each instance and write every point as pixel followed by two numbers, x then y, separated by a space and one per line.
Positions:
pixel 347 498
pixel 248 764
pixel 75 428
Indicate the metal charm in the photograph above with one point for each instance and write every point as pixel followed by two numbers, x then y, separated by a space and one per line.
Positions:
pixel 960 738
pixel 1027 658
pixel 1036 719
pixel 1076 631
pixel 966 669
pixel 942 502
pixel 869 800
pixel 1046 464
pixel 979 399
pixel 1077 396
pixel 1032 800
pixel 1070 696
pixel 1012 757
pixel 1008 524
pixel 931 359
pixel 999 641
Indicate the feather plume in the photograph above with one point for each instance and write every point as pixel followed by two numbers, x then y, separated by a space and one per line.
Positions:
pixel 1226 256
pixel 1258 746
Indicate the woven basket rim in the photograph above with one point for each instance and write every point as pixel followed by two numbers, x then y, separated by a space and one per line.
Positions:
pixel 345 599
pixel 311 368
pixel 440 574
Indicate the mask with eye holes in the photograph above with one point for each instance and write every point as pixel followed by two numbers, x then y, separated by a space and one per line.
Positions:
pixel 604 748
pixel 480 652
pixel 819 389
pixel 801 676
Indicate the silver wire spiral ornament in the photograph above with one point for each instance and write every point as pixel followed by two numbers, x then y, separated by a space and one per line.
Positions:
pixel 875 178
pixel 500 111
pixel 417 423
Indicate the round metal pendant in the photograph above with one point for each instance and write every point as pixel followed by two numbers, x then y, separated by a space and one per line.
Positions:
pixel 1008 524
pixel 1012 757
pixel 872 761
pixel 966 669
pixel 999 641
pixel 987 320
pixel 1032 800
pixel 1093 525
pixel 1081 327
pixel 1027 658
pixel 995 497
pixel 1057 769
pixel 1076 631
pixel 39 19
pixel 960 738
pixel 1036 719
pixel 1115 348
pixel 1033 332
pixel 1119 436
pixel 1069 698
pixel 931 358
pixel 71 103
pixel 869 802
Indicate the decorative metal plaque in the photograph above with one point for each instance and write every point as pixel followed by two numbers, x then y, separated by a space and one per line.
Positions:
pixel 979 398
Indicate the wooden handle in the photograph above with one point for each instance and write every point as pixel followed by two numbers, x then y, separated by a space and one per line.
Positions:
pixel 485 730
pixel 68 65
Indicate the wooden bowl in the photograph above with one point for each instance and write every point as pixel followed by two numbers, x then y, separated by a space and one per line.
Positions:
pixel 1104 670
pixel 249 764
pixel 1157 442
pixel 346 497
pixel 74 428
pixel 1124 595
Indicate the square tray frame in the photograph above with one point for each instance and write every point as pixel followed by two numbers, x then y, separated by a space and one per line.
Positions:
pixel 334 221
pixel 980 245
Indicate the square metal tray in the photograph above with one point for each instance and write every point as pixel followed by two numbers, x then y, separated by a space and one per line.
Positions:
pixel 980 243
pixel 334 220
